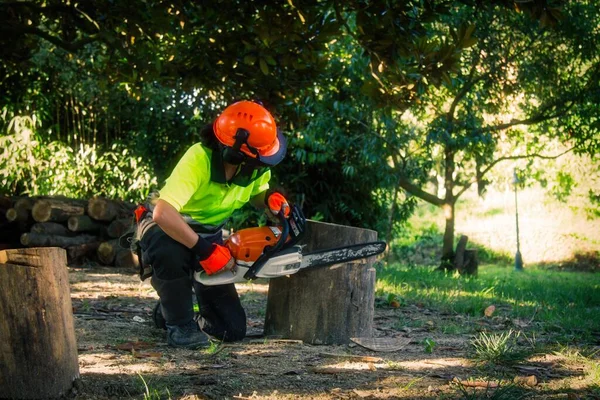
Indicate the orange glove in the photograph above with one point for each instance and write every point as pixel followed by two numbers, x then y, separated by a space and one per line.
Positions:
pixel 276 202
pixel 219 260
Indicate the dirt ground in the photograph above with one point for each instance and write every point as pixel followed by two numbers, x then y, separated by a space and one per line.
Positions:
pixel 122 355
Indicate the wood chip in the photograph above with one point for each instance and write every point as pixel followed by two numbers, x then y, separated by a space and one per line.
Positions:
pixel 385 345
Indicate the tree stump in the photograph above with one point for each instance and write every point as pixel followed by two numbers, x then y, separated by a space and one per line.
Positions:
pixel 326 305
pixel 38 351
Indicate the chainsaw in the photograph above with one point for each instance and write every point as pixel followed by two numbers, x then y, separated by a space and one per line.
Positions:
pixel 272 251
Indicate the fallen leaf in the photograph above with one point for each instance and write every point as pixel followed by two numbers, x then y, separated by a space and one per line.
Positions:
pixel 530 380
pixel 489 311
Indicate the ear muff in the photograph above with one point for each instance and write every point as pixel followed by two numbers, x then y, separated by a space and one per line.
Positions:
pixel 234 155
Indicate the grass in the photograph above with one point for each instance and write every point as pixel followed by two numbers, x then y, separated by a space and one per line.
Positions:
pixel 496 348
pixel 151 393
pixel 566 303
pixel 551 232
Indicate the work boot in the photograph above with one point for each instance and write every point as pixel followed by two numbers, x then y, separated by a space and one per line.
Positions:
pixel 188 336
pixel 157 317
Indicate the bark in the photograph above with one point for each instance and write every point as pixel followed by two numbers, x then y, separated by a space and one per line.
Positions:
pixel 44 240
pixel 38 346
pixel 327 305
pixel 83 223
pixel 6 202
pixel 17 215
pixel 57 210
pixel 125 258
pixel 119 227
pixel 51 228
pixel 459 256
pixel 103 209
pixel 77 252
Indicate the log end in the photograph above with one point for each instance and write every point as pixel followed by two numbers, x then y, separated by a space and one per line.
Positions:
pixel 42 211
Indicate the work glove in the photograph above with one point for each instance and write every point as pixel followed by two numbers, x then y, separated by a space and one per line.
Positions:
pixel 213 258
pixel 276 202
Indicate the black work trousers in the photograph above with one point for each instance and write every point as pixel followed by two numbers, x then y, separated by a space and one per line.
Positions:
pixel 173 265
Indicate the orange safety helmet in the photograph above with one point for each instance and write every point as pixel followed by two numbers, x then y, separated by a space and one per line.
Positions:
pixel 250 131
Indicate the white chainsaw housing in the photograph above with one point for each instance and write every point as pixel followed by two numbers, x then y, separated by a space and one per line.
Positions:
pixel 286 262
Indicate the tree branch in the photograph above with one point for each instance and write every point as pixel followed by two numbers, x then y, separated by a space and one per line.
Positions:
pixel 536 119
pixel 414 189
pixel 506 158
pixel 71 47
pixel 465 89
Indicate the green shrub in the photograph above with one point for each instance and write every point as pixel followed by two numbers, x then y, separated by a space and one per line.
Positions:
pixel 30 166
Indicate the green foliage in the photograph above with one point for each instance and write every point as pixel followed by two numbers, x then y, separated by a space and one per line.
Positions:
pixel 30 166
pixel 374 96
pixel 497 348
pixel 429 344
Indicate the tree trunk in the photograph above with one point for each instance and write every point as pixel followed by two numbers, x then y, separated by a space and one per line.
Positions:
pixel 327 305
pixel 56 210
pixel 448 206
pixel 38 350
pixel 448 240
pixel 43 240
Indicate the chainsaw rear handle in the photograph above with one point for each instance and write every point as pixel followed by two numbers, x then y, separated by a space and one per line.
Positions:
pixel 270 250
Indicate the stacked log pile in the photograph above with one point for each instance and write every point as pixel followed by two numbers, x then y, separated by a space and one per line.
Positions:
pixel 87 229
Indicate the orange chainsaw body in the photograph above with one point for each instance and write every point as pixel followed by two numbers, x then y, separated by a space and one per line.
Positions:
pixel 246 245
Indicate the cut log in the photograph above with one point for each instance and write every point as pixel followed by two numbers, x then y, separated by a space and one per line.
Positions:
pixel 119 227
pixel 459 255
pixel 471 263
pixel 44 240
pixel 327 305
pixel 24 204
pixel 107 251
pixel 111 253
pixel 51 228
pixel 103 209
pixel 38 349
pixel 16 214
pixel 78 252
pixel 56 210
pixel 125 258
pixel 9 235
pixel 6 202
pixel 83 223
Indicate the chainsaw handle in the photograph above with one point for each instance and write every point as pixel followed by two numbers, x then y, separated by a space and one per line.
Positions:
pixel 270 250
